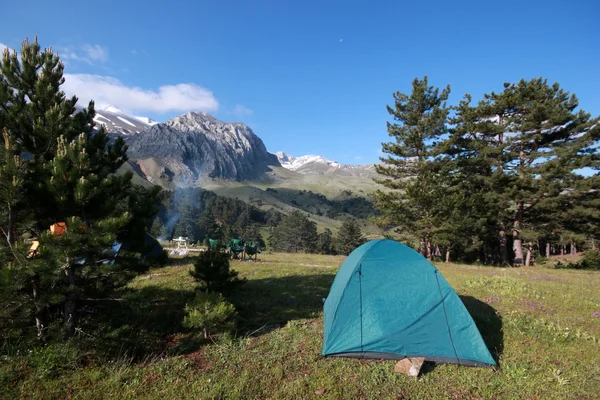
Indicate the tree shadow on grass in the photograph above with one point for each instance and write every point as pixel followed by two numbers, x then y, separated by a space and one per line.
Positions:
pixel 140 323
pixel 266 304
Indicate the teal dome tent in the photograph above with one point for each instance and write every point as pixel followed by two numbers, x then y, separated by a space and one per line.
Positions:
pixel 389 302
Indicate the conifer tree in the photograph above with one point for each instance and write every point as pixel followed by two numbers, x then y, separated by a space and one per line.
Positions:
pixel 68 175
pixel 349 237
pixel 521 148
pixel 295 233
pixel 411 203
pixel 325 243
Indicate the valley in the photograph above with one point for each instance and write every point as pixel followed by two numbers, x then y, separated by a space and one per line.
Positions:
pixel 197 150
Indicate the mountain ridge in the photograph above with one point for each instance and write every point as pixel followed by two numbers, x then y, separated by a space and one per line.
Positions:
pixel 196 145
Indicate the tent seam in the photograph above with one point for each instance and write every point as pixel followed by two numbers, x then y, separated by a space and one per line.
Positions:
pixel 359 263
pixel 446 317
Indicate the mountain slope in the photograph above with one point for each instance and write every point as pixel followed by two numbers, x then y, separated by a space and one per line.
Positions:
pixel 118 123
pixel 196 147
pixel 319 165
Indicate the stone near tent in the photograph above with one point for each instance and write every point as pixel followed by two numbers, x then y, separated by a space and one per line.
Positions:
pixel 409 366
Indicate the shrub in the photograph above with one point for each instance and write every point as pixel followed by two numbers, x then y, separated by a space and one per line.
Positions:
pixel 591 259
pixel 210 312
pixel 213 272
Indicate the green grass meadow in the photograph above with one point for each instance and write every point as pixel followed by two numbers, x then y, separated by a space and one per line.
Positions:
pixel 542 324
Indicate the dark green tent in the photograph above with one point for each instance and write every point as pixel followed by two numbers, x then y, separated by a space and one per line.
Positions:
pixel 388 302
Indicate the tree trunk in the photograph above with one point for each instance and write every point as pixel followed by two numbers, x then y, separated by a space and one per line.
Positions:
pixel 429 253
pixel 448 254
pixel 205 333
pixel 529 252
pixel 503 250
pixel 593 243
pixel 518 242
pixel 422 247
pixel 38 314
pixel 547 249
pixel 562 250
pixel 10 235
pixel 70 304
pixel 573 248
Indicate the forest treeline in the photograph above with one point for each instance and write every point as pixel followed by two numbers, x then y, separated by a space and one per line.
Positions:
pixel 200 215
pixel 499 181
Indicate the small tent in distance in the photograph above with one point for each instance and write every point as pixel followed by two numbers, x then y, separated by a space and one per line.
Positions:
pixel 389 302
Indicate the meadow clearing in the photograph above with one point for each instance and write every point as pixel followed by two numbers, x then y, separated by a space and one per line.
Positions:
pixel 542 324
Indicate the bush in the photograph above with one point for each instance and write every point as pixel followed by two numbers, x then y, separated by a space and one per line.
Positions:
pixel 209 312
pixel 591 259
pixel 213 272
pixel 541 260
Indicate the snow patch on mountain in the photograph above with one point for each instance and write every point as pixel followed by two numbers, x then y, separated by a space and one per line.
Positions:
pixel 294 163
pixel 146 120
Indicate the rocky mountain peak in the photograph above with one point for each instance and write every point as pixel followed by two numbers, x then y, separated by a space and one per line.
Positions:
pixel 196 145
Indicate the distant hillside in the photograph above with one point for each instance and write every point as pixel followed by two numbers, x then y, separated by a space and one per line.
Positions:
pixel 319 165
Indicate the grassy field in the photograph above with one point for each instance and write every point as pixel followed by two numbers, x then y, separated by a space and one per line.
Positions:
pixel 542 324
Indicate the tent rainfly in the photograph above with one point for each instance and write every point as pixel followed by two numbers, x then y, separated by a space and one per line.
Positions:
pixel 389 302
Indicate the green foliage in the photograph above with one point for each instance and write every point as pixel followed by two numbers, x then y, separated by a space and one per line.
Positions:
pixel 296 233
pixel 505 172
pixel 325 242
pixel 349 237
pixel 209 312
pixel 200 214
pixel 590 260
pixel 417 185
pixel 54 167
pixel 213 273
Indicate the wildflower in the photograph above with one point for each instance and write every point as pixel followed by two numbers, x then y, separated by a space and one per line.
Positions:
pixel 596 314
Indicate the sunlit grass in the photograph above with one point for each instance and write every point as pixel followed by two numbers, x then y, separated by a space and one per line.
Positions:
pixel 540 322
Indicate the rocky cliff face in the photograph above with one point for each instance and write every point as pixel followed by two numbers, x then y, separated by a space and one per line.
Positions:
pixel 196 146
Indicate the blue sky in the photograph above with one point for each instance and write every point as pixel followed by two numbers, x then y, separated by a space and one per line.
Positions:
pixel 309 77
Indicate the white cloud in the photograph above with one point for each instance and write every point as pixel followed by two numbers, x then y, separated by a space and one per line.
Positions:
pixel 358 158
pixel 2 47
pixel 88 53
pixel 106 90
pixel 242 111
pixel 96 52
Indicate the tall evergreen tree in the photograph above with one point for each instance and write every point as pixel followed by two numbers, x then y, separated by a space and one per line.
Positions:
pixel 529 140
pixel 410 204
pixel 62 172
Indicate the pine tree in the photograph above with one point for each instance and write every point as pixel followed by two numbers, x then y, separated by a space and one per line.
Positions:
pixel 349 237
pixel 70 176
pixel 325 242
pixel 213 273
pixel 295 233
pixel 411 203
pixel 522 148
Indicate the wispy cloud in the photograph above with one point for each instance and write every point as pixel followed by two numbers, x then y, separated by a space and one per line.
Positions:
pixel 95 52
pixel 358 158
pixel 242 111
pixel 88 53
pixel 106 90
